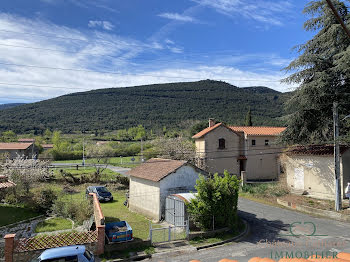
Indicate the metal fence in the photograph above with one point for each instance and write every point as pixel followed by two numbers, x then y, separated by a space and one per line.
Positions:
pixel 170 233
pixel 175 212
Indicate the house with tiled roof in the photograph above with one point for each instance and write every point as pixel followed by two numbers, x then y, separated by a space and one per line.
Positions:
pixel 154 180
pixel 12 150
pixel 310 170
pixel 252 149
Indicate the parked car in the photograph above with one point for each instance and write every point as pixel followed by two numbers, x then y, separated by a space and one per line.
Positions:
pixel 102 193
pixel 118 231
pixel 65 254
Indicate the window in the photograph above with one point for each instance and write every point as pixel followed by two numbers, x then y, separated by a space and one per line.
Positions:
pixel 253 142
pixel 222 143
pixel 266 142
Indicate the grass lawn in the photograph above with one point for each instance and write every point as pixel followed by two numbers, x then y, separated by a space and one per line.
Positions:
pixel 12 214
pixel 53 224
pixel 116 211
pixel 114 161
pixel 107 174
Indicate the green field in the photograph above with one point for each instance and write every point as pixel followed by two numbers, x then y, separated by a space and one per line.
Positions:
pixel 114 161
pixel 53 224
pixel 115 211
pixel 12 214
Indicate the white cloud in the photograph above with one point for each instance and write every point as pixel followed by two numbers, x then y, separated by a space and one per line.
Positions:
pixel 267 12
pixel 178 17
pixel 96 52
pixel 103 24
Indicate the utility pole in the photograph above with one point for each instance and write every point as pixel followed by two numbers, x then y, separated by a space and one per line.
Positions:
pixel 84 151
pixel 142 151
pixel 338 203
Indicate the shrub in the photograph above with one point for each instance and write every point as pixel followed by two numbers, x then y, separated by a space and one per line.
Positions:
pixel 215 205
pixel 43 200
pixel 75 210
pixel 122 180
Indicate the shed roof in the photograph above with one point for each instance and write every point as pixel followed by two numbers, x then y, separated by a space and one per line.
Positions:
pixel 14 146
pixel 156 169
pixel 316 150
pixel 26 140
pixel 187 197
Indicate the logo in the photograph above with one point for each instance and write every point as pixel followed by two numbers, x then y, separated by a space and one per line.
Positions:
pixel 306 228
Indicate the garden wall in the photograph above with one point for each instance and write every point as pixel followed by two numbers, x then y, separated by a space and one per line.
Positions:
pixel 26 249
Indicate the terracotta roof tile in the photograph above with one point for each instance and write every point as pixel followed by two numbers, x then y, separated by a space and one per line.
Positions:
pixel 207 130
pixel 317 150
pixel 5 183
pixel 26 140
pixel 14 146
pixel 258 130
pixel 156 169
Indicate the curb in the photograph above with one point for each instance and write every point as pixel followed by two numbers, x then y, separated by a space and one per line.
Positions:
pixel 190 248
pixel 241 236
pixel 314 211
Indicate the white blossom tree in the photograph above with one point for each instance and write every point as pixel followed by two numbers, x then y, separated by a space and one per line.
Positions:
pixel 25 172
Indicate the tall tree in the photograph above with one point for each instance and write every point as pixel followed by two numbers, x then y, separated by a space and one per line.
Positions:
pixel 323 72
pixel 248 118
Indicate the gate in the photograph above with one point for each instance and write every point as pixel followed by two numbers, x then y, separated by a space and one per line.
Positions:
pixel 175 211
pixel 167 234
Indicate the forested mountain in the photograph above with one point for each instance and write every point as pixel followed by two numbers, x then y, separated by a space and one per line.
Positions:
pixel 4 106
pixel 153 106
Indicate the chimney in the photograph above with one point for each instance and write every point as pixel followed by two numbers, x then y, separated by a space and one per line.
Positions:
pixel 211 122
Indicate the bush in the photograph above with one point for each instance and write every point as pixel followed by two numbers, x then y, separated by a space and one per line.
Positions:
pixel 11 199
pixel 43 200
pixel 70 155
pixel 122 180
pixel 216 203
pixel 75 210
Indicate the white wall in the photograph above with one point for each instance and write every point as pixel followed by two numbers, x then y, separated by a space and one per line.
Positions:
pixel 144 197
pixel 317 172
pixel 183 180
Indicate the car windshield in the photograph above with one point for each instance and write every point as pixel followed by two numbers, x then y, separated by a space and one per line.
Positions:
pixel 102 190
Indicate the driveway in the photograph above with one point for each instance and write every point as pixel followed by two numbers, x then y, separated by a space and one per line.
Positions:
pixel 271 234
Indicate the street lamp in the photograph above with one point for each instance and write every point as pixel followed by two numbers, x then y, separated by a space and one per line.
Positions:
pixel 348 116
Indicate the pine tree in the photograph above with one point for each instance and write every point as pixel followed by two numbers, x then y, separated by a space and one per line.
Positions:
pixel 248 118
pixel 323 72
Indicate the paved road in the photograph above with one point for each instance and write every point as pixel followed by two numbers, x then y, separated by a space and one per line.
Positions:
pixel 272 224
pixel 121 170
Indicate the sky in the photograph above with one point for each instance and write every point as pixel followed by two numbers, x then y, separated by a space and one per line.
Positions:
pixel 50 48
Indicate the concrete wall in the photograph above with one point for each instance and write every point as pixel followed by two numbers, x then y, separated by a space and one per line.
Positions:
pixel 316 173
pixel 182 181
pixel 218 160
pixel 262 160
pixel 144 197
pixel 346 168
pixel 26 152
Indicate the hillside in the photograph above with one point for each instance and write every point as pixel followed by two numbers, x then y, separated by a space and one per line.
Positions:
pixel 153 106
pixel 4 106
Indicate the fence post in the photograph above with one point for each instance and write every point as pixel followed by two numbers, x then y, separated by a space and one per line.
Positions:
pixel 150 231
pixel 243 178
pixel 169 232
pixel 188 229
pixel 9 247
pixel 100 240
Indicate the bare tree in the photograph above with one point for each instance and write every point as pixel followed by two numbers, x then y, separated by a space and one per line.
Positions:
pixel 99 155
pixel 175 148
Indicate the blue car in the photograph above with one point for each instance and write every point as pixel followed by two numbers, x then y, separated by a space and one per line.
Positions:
pixel 101 192
pixel 65 254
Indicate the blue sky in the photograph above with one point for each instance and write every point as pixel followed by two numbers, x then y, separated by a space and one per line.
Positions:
pixel 54 47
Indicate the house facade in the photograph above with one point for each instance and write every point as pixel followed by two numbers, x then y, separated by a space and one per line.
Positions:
pixel 154 180
pixel 311 170
pixel 251 149
pixel 12 150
